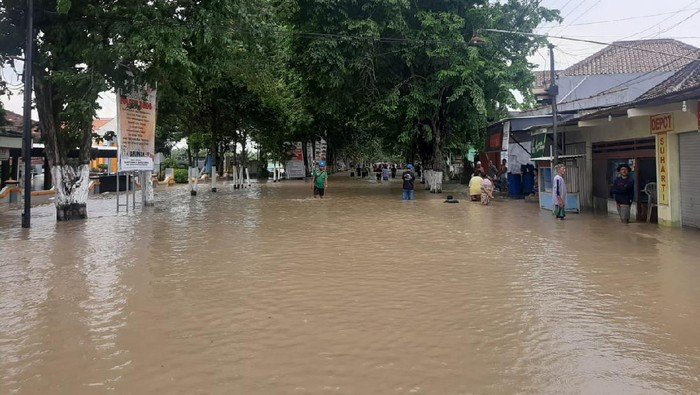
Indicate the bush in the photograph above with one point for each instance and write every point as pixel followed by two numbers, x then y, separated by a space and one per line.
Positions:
pixel 181 176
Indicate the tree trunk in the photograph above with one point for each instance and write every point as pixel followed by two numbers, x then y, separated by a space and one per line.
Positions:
pixel 71 191
pixel 47 174
pixel 147 185
pixel 71 177
pixel 244 152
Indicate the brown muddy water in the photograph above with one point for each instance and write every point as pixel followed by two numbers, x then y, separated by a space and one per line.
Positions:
pixel 267 291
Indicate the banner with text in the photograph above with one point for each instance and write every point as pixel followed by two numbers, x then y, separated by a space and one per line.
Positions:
pixel 663 168
pixel 295 165
pixel 136 119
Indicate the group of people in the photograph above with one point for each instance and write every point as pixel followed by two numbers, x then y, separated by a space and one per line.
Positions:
pixel 622 190
pixel 481 187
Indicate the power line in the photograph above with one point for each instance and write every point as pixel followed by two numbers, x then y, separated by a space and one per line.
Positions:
pixel 622 19
pixel 581 15
pixel 590 42
pixel 677 24
pixel 664 20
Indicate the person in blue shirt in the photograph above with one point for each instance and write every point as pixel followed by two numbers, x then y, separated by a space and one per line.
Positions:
pixel 623 190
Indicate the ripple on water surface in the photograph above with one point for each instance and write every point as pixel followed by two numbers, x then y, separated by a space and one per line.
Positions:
pixel 267 290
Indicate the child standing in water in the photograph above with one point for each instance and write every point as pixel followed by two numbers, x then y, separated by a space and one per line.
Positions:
pixel 486 191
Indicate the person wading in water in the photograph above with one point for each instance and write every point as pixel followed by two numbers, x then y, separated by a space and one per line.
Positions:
pixel 623 189
pixel 320 180
pixel 559 192
pixel 408 183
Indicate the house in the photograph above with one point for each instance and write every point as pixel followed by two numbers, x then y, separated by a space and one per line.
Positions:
pixel 593 145
pixel 11 146
pixel 666 119
pixel 104 142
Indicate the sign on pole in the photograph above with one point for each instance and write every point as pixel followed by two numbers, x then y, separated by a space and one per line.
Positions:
pixel 295 165
pixel 136 124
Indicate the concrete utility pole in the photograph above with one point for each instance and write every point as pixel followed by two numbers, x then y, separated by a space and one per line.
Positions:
pixel 553 91
pixel 27 138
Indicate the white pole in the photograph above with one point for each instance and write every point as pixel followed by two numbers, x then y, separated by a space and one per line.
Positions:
pixel 192 180
pixel 213 178
pixel 247 175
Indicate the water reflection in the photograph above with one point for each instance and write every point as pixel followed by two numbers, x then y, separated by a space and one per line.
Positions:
pixel 267 290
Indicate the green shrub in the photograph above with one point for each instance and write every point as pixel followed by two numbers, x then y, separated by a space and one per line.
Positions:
pixel 181 176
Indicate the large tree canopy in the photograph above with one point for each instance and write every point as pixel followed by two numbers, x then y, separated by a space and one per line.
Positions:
pixel 406 70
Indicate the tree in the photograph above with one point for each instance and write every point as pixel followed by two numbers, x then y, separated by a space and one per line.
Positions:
pixel 86 47
pixel 406 71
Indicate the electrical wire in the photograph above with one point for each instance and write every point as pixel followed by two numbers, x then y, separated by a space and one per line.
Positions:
pixel 676 24
pixel 658 23
pixel 622 19
pixel 590 42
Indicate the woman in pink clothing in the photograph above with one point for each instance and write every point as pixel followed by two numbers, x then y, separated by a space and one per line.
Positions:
pixel 486 191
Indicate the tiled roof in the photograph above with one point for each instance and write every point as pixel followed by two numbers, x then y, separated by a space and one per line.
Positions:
pixel 100 122
pixel 641 56
pixel 14 120
pixel 686 78
pixel 542 79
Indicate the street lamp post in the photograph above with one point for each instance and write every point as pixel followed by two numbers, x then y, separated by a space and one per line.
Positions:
pixel 27 137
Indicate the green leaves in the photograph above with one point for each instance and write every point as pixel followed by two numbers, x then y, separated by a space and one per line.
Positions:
pixel 63 6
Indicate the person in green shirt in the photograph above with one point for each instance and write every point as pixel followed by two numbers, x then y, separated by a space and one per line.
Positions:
pixel 320 180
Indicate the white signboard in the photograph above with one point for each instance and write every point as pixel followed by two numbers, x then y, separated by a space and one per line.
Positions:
pixel 136 124
pixel 295 165
pixel 4 154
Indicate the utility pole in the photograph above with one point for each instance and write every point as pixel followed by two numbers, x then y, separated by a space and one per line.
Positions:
pixel 27 138
pixel 553 91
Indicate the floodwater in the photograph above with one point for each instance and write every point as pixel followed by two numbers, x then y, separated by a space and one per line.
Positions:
pixel 266 291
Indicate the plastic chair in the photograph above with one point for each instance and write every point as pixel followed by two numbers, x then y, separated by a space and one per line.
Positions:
pixel 650 190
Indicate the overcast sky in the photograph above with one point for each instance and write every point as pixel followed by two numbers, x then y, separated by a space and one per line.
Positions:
pixel 597 20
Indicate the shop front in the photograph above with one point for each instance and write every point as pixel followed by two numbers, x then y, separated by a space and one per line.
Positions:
pixel 607 157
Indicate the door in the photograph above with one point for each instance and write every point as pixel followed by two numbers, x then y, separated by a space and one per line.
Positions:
pixel 690 178
pixel 646 173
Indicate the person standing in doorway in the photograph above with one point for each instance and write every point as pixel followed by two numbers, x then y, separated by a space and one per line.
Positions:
pixel 409 180
pixel 320 180
pixel 623 190
pixel 559 192
pixel 503 176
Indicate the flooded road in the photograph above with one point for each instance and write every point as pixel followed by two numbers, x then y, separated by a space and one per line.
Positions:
pixel 267 291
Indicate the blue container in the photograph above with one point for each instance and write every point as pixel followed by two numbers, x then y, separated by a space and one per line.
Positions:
pixel 528 183
pixel 515 186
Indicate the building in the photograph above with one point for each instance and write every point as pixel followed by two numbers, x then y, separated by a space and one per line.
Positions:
pixel 597 134
pixel 104 145
pixel 665 118
pixel 11 147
